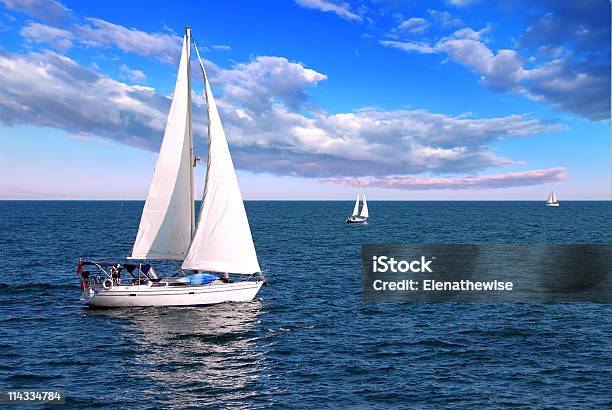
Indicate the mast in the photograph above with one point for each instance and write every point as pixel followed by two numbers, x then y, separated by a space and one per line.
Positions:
pixel 189 113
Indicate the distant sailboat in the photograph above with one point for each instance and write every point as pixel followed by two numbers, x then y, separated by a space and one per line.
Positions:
pixel 552 200
pixel 219 244
pixel 359 217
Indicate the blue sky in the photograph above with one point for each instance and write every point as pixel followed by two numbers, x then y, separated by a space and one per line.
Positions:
pixel 452 99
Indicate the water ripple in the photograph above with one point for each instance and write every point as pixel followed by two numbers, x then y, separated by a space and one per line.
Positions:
pixel 308 340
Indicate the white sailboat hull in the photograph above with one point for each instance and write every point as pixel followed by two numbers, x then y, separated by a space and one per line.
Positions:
pixel 145 295
pixel 357 220
pixel 554 205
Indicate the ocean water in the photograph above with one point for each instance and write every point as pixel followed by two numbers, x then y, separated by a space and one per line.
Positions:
pixel 309 340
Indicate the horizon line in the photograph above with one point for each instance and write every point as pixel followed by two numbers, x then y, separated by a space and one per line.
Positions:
pixel 303 200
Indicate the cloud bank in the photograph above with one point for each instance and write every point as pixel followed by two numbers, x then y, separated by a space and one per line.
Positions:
pixel 508 180
pixel 271 122
pixel 262 105
pixel 570 68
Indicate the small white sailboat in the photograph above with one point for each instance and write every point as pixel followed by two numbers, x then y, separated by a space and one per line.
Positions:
pixel 359 217
pixel 552 200
pixel 219 244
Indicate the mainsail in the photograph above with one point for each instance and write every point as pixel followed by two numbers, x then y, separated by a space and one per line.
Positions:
pixel 356 208
pixel 222 241
pixel 167 220
pixel 552 198
pixel 364 208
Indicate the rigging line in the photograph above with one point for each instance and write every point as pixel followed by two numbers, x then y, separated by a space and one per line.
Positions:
pixel 199 59
pixel 177 266
pixel 206 84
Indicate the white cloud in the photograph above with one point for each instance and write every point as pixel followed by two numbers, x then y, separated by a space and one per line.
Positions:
pixel 134 75
pixel 445 18
pixel 49 90
pixel 262 104
pixel 466 47
pixel 94 32
pixel 101 33
pixel 508 180
pixel 462 3
pixel 270 121
pixel 56 37
pixel 419 47
pixel 255 84
pixel 221 47
pixel 47 10
pixel 414 25
pixel 570 84
pixel 339 8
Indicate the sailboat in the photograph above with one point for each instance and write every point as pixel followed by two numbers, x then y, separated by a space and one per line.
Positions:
pixel 552 200
pixel 359 217
pixel 209 251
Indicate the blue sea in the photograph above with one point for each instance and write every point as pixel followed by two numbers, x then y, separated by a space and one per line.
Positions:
pixel 309 340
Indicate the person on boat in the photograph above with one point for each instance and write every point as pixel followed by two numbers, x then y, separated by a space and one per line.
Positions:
pixel 225 277
pixel 84 279
pixel 116 274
